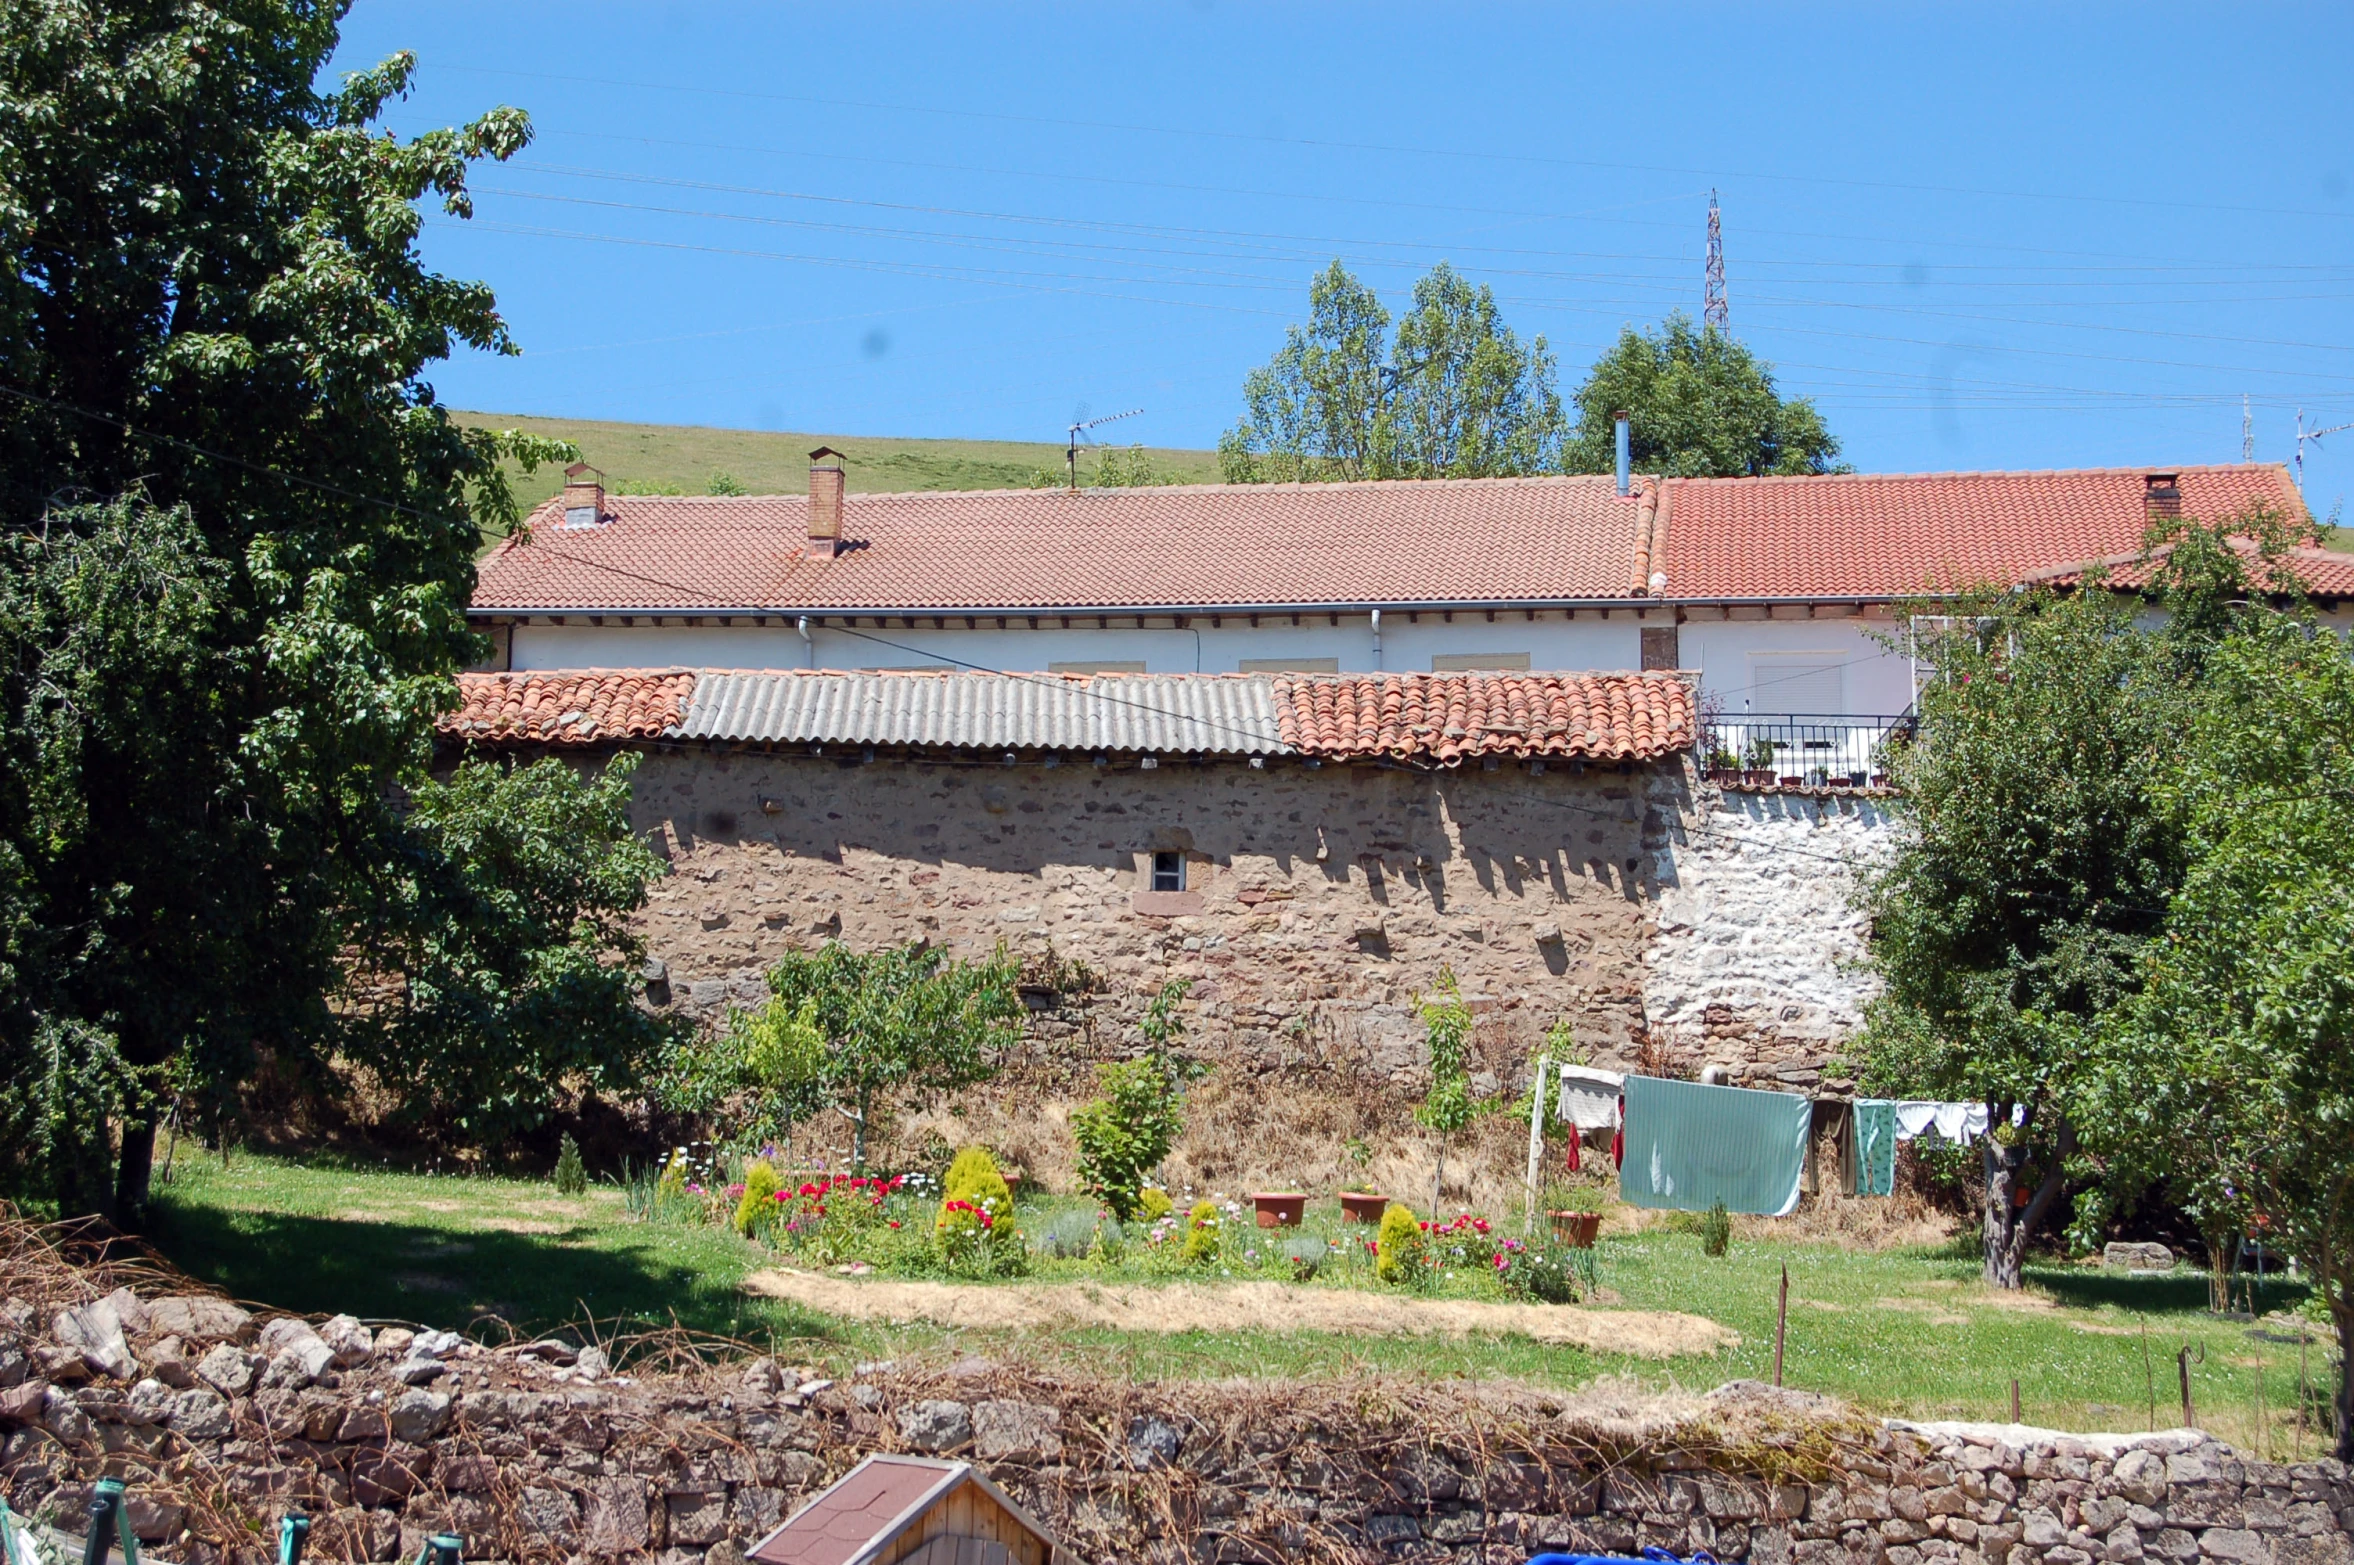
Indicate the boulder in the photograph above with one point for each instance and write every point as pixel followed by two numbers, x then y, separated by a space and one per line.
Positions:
pixel 95 1332
pixel 2127 1255
pixel 352 1343
pixel 229 1370
pixel 417 1416
pixel 1017 1432
pixel 935 1425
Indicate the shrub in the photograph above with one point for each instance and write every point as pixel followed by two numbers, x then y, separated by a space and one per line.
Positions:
pixel 1398 1249
pixel 1542 1271
pixel 1153 1204
pixel 1306 1253
pixel 757 1207
pixel 1124 1134
pixel 571 1177
pixel 1201 1233
pixel 1716 1230
pixel 975 1228
pixel 674 1175
pixel 1070 1236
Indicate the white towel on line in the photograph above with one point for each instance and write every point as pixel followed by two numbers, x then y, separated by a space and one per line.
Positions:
pixel 1589 1097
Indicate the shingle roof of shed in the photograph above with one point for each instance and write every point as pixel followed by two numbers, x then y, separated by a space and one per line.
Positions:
pixel 1440 719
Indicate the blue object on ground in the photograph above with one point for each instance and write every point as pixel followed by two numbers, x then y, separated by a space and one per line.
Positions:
pixel 1650 1556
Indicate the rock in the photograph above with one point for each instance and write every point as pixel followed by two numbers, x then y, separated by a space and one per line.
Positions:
pixel 1153 1443
pixel 417 1416
pixel 763 1375
pixel 227 1369
pixel 14 1366
pixel 550 1351
pixel 95 1332
pixel 435 1344
pixel 2140 1477
pixel 725 1552
pixel 2138 1257
pixel 62 1418
pixel 196 1317
pixel 393 1342
pixel 1017 1432
pixel 697 1519
pixel 2234 1546
pixel 936 1425
pixel 299 1363
pixel 592 1364
pixel 201 1415
pixel 153 1520
pixel 550 1514
pixel 353 1344
pixel 21 1404
pixel 391 1472
pixel 614 1520
pixel 167 1363
pixel 283 1332
pixel 150 1403
pixel 419 1371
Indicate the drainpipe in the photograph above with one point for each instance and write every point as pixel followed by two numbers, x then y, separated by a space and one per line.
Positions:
pixel 808 647
pixel 1625 456
pixel 1377 641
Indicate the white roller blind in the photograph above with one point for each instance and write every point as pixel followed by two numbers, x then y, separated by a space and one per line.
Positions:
pixel 1786 682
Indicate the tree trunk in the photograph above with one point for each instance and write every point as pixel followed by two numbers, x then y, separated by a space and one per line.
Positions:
pixel 858 1136
pixel 2004 1243
pixel 2343 1403
pixel 133 1166
pixel 1439 1181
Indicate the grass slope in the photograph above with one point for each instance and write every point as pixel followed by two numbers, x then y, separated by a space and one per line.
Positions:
pixel 1908 1331
pixel 682 457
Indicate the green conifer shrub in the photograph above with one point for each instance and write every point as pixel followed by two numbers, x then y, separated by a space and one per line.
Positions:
pixel 1400 1253
pixel 758 1205
pixel 571 1176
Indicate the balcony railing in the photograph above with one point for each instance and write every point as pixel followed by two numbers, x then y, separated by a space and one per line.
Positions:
pixel 1803 749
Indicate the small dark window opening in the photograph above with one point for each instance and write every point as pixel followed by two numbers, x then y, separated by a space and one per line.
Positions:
pixel 1168 872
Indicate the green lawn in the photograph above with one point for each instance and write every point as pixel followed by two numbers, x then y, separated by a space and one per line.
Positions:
pixel 1901 1331
pixel 682 457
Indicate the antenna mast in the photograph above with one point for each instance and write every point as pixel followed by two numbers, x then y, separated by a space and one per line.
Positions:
pixel 2314 435
pixel 1712 307
pixel 2247 431
pixel 1078 429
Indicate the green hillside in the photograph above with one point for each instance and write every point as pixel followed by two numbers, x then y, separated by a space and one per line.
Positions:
pixel 681 459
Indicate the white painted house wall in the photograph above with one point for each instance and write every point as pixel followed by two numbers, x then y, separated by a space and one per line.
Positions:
pixel 1747 665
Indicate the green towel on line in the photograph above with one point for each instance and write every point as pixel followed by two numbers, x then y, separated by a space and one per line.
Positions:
pixel 1875 1146
pixel 1689 1147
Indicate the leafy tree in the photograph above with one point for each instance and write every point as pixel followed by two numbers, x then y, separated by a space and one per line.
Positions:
pixel 498 967
pixel 2240 1046
pixel 1472 401
pixel 213 328
pixel 1464 399
pixel 768 1068
pixel 1124 1135
pixel 1702 406
pixel 2035 868
pixel 1447 1107
pixel 906 1017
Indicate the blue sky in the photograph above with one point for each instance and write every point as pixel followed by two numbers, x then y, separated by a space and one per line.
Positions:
pixel 1978 237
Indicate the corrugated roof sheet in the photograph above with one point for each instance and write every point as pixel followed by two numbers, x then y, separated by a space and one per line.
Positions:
pixel 1169 714
pixel 1441 718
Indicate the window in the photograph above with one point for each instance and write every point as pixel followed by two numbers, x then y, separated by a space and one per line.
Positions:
pixel 1289 666
pixel 1659 647
pixel 1479 662
pixel 1812 683
pixel 1168 872
pixel 1099 666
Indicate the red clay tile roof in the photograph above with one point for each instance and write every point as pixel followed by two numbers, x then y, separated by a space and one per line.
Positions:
pixel 1431 718
pixel 2322 572
pixel 1896 535
pixel 574 707
pixel 1503 540
pixel 1449 718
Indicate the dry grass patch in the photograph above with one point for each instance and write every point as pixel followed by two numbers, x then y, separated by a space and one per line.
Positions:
pixel 1255 1306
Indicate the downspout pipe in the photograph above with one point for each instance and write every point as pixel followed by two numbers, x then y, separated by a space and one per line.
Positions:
pixel 1377 641
pixel 808 646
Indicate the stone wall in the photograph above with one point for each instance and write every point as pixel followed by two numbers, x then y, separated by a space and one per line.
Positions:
pixel 1320 900
pixel 1758 959
pixel 538 1452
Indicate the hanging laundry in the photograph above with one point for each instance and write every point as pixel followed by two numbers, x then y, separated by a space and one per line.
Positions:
pixel 1589 1097
pixel 1876 1127
pixel 1958 1122
pixel 1690 1146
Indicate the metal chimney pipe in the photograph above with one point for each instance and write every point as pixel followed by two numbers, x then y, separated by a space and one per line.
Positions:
pixel 1625 456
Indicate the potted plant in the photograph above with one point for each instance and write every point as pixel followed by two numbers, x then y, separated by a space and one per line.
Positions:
pixel 1723 767
pixel 1362 1206
pixel 1575 1215
pixel 1280 1208
pixel 1759 757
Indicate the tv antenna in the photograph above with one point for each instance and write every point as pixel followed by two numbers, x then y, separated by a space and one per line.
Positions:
pixel 2314 435
pixel 1080 425
pixel 1712 301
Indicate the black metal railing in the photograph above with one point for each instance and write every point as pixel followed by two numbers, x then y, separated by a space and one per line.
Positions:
pixel 1803 749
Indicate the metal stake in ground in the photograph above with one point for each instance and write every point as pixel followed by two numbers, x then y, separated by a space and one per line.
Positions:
pixel 1781 1322
pixel 2182 1363
pixel 2014 1399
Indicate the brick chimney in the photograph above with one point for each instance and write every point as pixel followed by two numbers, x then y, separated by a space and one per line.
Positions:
pixel 584 496
pixel 825 503
pixel 2161 497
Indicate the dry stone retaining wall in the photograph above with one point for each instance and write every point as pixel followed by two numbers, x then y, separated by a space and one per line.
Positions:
pixel 538 1452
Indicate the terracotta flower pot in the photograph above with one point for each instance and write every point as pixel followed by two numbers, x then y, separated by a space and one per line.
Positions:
pixel 1575 1229
pixel 1280 1208
pixel 1363 1206
pixel 1793 782
pixel 1758 777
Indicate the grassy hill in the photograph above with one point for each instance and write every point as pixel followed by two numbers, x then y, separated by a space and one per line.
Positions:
pixel 682 458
